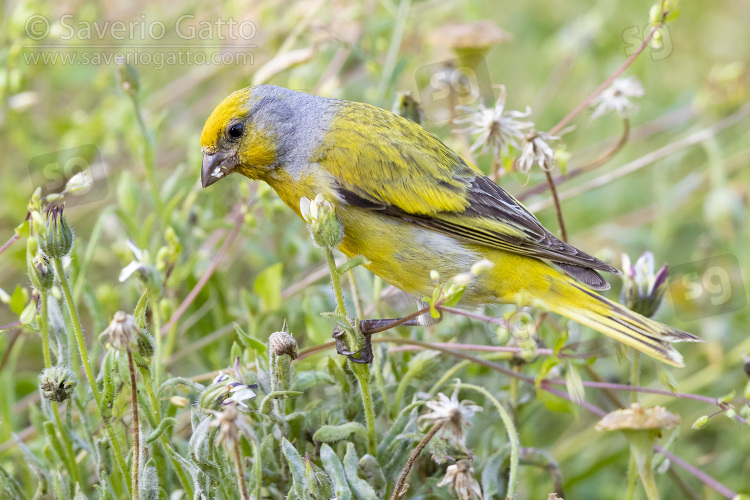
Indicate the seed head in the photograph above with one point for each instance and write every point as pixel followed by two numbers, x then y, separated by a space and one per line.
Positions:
pixel 57 383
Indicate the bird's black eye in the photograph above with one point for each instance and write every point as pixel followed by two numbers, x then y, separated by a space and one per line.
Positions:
pixel 236 130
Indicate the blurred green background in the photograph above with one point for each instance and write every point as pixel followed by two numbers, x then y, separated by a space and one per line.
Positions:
pixel 688 206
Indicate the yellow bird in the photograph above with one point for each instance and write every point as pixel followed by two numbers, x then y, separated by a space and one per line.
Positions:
pixel 410 204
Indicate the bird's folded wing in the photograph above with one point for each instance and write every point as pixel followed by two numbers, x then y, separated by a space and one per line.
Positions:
pixel 411 175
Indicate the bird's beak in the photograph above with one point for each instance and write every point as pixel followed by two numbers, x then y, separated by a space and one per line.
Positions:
pixel 215 167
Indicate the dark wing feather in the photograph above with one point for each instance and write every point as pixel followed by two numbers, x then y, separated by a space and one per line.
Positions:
pixel 490 214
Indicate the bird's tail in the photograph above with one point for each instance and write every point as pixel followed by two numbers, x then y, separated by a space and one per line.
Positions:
pixel 570 299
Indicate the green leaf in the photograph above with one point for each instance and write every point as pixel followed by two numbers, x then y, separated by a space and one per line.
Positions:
pixel 18 300
pixel 266 406
pixel 248 341
pixel 311 378
pixel 335 470
pixel 492 479
pixel 268 287
pixel 140 310
pixel 357 260
pixel 553 402
pixel 359 486
pixel 334 433
pixel 297 468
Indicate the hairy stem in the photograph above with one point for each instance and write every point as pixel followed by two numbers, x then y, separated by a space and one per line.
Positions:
pixel 413 458
pixel 240 473
pixel 510 428
pixel 62 278
pixel 136 426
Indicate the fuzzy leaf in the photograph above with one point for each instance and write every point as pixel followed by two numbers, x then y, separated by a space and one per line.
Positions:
pixel 311 378
pixel 335 470
pixel 359 486
pixel 334 433
pixel 297 468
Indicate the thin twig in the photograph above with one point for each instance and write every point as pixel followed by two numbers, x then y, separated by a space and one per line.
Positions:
pixel 663 152
pixel 397 493
pixel 207 275
pixel 554 130
pixel 8 243
pixel 558 208
pixel 588 167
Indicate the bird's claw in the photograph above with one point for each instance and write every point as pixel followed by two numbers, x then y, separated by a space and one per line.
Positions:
pixel 365 354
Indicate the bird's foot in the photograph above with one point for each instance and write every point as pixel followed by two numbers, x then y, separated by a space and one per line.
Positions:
pixel 362 356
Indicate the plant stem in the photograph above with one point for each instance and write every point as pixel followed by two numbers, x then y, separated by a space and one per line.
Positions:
pixel 635 374
pixel 354 342
pixel 558 208
pixel 62 278
pixel 362 372
pixel 413 458
pixel 240 472
pixel 554 130
pixel 44 314
pixel 510 428
pixel 136 425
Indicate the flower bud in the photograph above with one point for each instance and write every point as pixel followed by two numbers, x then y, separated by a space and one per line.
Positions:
pixel 701 422
pixel 40 270
pixel 320 216
pixel 145 344
pixel 281 343
pixel 57 383
pixel 642 288
pixel 80 183
pixel 58 240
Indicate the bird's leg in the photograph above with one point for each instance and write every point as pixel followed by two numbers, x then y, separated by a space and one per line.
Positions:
pixel 368 327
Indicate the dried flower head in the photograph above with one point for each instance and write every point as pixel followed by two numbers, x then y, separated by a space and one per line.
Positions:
pixel 641 427
pixel 231 424
pixel 282 343
pixel 470 36
pixel 57 383
pixel 453 415
pixel 122 333
pixel 642 288
pixel 638 418
pixel 460 477
pixel 226 390
pixel 536 150
pixel 498 129
pixel 617 96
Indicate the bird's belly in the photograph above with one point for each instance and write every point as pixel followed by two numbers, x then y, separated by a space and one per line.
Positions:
pixel 402 254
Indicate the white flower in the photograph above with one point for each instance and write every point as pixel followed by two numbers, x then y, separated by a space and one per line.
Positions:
pixel 498 129
pixel 617 96
pixel 452 414
pixel 537 151
pixel 226 390
pixel 461 478
pixel 136 264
